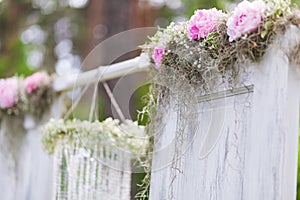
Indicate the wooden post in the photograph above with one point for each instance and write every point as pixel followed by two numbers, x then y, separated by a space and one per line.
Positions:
pixel 245 144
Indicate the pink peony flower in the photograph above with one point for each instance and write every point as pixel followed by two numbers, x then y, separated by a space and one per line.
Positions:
pixel 33 82
pixel 158 56
pixel 204 22
pixel 246 18
pixel 8 92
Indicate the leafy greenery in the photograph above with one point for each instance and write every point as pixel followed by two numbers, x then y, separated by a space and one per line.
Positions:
pixel 192 5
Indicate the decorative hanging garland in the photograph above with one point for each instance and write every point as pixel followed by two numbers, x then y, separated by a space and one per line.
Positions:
pixel 33 95
pixel 215 42
pixel 92 160
pixel 24 104
pixel 209 50
pixel 127 136
pixel 187 56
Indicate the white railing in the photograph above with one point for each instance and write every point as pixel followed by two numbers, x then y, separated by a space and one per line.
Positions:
pixel 102 73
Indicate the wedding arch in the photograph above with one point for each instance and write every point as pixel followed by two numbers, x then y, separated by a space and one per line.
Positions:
pixel 223 109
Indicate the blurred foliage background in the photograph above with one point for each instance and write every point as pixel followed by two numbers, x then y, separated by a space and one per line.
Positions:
pixel 56 35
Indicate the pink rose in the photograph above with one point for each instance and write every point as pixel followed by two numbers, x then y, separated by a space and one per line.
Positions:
pixel 158 56
pixel 8 92
pixel 246 18
pixel 204 22
pixel 38 79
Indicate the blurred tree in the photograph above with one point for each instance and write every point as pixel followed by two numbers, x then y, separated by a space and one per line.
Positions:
pixel 32 31
pixel 12 54
pixel 192 5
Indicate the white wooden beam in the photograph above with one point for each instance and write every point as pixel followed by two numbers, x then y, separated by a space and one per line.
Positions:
pixel 102 73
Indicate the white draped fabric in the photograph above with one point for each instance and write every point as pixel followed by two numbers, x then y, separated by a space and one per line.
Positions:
pixel 25 168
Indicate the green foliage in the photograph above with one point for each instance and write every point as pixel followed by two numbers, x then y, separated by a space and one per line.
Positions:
pixel 140 101
pixel 17 16
pixel 211 40
pixel 192 5
pixel 14 62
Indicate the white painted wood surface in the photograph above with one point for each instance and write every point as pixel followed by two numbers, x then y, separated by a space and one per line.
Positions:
pixel 102 73
pixel 244 145
pixel 25 168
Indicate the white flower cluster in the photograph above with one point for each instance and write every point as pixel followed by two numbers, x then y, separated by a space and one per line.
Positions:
pixel 278 7
pixel 127 136
pixel 173 33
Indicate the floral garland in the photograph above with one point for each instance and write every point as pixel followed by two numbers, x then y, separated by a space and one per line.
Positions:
pixel 127 136
pixel 214 40
pixel 211 46
pixel 20 95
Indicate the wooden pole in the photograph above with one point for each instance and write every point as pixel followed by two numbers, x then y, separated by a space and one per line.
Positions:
pixel 102 73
